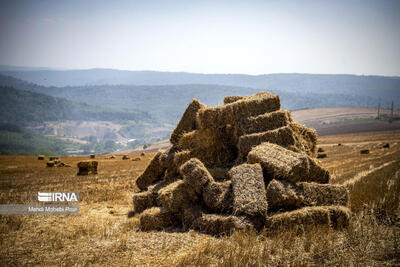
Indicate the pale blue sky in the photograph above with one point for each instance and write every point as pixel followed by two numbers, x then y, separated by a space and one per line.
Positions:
pixel 252 37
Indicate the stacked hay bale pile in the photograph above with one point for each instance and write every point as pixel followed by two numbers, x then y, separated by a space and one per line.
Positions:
pixel 242 165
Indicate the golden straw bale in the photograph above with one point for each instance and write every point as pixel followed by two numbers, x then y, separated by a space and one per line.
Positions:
pixel 282 194
pixel 317 173
pixel 281 163
pixel 316 194
pixel 215 224
pixel 283 136
pixel 218 196
pixel 189 215
pixel 265 122
pixel 156 218
pixel 300 219
pixel 50 163
pixel 306 138
pixel 233 98
pixel 144 200
pixel 232 113
pixel 249 195
pixel 41 157
pixel 339 216
pixel 125 157
pixel 136 159
pixel 152 173
pixel 176 196
pixel 92 156
pixel 195 175
pixel 53 158
pixel 187 122
pixel 213 147
pixel 86 167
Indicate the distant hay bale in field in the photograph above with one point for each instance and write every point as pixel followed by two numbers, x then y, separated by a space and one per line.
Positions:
pixel 320 149
pixel 364 151
pixel 53 158
pixel 187 122
pixel 214 224
pixel 339 144
pixel 248 188
pixel 142 154
pixel 92 156
pixel 280 163
pixel 136 159
pixel 322 155
pixel 387 145
pixel 245 164
pixel 41 157
pixel 152 173
pixel 156 218
pixel 50 163
pixel 87 167
pixel 125 157
pixel 60 164
pixel 233 98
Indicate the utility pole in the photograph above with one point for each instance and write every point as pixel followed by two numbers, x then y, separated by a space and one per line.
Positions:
pixel 379 109
pixel 391 113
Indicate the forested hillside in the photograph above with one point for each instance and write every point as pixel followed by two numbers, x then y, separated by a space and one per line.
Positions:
pixel 29 108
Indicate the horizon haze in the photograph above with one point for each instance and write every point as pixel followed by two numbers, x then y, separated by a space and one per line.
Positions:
pixel 252 37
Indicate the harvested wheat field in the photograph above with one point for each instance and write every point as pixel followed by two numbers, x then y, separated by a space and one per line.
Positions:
pixel 103 233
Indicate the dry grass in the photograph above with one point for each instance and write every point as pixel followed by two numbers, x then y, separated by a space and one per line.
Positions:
pixel 103 235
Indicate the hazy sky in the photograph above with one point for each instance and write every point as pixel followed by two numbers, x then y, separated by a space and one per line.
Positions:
pixel 252 37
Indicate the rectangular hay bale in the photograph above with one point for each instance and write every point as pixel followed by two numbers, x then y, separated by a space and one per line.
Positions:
pixel 300 219
pixel 283 136
pixel 218 117
pixel 218 196
pixel 156 218
pixel 195 175
pixel 248 190
pixel 187 123
pixel 315 194
pixel 282 195
pixel 144 200
pixel 86 167
pixel 221 224
pixel 265 122
pixel 233 98
pixel 176 196
pixel 281 163
pixel 152 173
